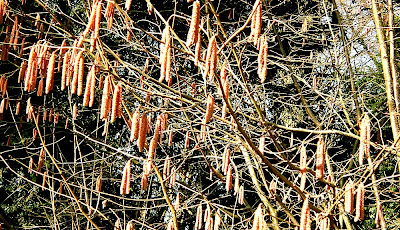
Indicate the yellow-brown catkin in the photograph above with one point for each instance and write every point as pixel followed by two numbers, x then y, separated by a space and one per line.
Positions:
pixel 304 27
pixel 64 72
pixel 74 111
pixel 360 203
pixel 22 71
pixel 44 115
pixel 92 87
pixel 3 10
pixel 165 54
pixel 105 98
pixel 51 115
pixel 40 162
pixel 2 105
pixel 30 168
pixel 80 76
pixel 226 159
pixel 209 109
pixel 110 13
pixel 129 225
pixel 303 167
pixel 207 214
pixel 228 182
pixel 31 73
pixel 172 179
pixel 241 195
pixel 4 88
pixel 116 103
pixel 126 179
pixel 256 23
pixel 44 180
pixel 263 59
pixel 135 125
pixel 170 138
pixel 142 132
pixel 211 59
pixel 193 33
pixel 17 108
pixel 167 168
pixel 187 140
pixel 152 148
pixel 77 71
pixel 128 4
pixel 40 88
pixel 63 49
pixel 14 29
pixel 320 158
pixel 258 221
pixel 117 225
pixel 199 215
pixel 97 20
pixel 348 197
pixel 365 138
pixel 88 87
pixel 50 73
pixel 197 51
pixel 305 218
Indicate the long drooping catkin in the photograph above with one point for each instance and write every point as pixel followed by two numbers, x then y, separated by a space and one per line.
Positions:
pixel 65 70
pixel 78 67
pixel 31 71
pixel 92 86
pixel 263 59
pixel 40 88
pixel 63 49
pixel 193 33
pixel 167 168
pixel 50 73
pixel 211 59
pixel 128 4
pixel 142 132
pixel 97 20
pixel 105 98
pixel 305 219
pixel 320 158
pixel 80 76
pixel 110 13
pixel 197 51
pixel 209 109
pixel 365 138
pixel 22 71
pixel 349 197
pixel 199 215
pixel 126 179
pixel 88 87
pixel 241 195
pixel 98 183
pixel 165 54
pixel 40 162
pixel 135 125
pixel 226 159
pixel 256 23
pixel 258 221
pixel 116 103
pixel 360 202
pixel 228 182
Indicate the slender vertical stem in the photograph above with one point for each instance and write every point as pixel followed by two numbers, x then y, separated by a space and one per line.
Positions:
pixel 386 71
